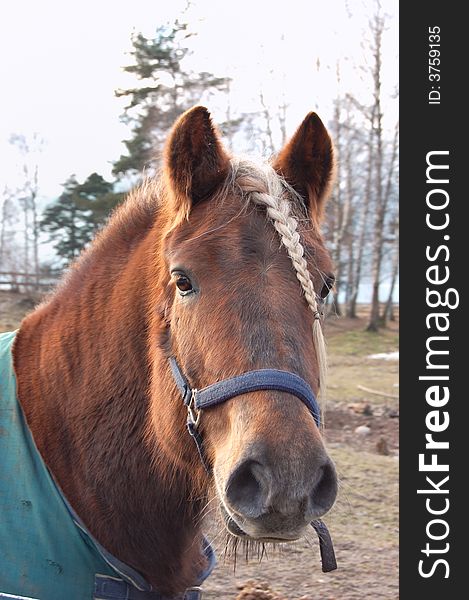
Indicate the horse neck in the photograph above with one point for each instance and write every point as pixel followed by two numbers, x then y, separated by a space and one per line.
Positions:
pixel 83 377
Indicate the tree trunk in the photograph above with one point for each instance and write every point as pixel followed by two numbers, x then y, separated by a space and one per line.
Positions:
pixel 268 129
pixel 338 208
pixel 346 232
pixel 26 243
pixel 373 323
pixel 388 313
pixel 282 117
pixel 377 251
pixel 350 278
pixel 35 229
pixel 3 227
pixel 362 224
pixel 229 128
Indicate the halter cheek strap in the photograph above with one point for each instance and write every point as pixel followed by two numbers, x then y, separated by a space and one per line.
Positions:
pixel 252 381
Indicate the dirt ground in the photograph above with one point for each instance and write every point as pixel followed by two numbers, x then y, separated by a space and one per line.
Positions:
pixel 364 520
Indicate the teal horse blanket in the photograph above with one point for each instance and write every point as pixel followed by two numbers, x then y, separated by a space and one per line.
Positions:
pixel 46 553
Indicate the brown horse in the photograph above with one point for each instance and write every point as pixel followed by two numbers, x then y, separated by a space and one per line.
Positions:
pixel 193 267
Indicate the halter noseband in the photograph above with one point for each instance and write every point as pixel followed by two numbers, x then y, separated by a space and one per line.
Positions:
pixel 252 381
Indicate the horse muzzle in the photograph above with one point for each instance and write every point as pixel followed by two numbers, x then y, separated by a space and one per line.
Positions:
pixel 262 502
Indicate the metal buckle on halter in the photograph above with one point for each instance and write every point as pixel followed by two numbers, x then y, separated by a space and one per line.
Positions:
pixel 192 411
pixel 193 593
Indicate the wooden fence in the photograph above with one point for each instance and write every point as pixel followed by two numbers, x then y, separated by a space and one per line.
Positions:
pixel 23 282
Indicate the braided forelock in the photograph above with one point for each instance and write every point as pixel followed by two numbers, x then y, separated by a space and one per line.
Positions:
pixel 263 186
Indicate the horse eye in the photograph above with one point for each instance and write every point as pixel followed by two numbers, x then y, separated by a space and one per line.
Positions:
pixel 184 284
pixel 329 281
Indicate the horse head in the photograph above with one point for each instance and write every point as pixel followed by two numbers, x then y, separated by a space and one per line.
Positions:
pixel 241 271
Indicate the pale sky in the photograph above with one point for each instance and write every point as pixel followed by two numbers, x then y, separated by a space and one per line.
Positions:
pixel 60 63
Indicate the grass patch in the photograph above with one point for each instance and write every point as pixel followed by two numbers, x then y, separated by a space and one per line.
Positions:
pixel 349 366
pixel 362 343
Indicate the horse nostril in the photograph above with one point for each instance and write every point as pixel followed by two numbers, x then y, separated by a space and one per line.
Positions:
pixel 325 490
pixel 244 489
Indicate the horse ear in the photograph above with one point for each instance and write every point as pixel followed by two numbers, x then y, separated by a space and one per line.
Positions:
pixel 195 161
pixel 307 163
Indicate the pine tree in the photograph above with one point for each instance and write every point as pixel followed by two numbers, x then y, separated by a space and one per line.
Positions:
pixel 96 195
pixel 73 218
pixel 67 222
pixel 167 90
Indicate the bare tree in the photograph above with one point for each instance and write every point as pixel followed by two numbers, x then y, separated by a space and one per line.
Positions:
pixel 282 118
pixel 347 142
pixel 336 201
pixel 7 214
pixel 382 194
pixel 28 150
pixel 10 254
pixel 352 175
pixel 228 129
pixel 361 227
pixel 269 146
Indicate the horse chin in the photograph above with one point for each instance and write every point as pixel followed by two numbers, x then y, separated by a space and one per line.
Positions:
pixel 235 530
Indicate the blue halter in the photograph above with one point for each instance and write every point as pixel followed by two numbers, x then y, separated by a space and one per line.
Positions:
pixel 252 381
